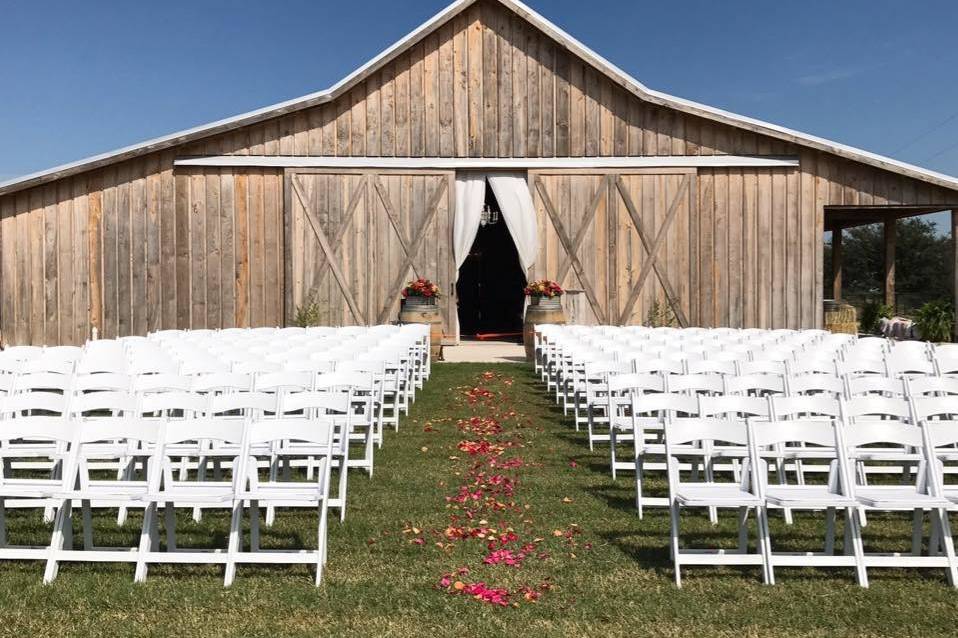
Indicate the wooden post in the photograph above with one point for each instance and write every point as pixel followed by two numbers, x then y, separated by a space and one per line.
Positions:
pixel 837 263
pixel 889 232
pixel 954 261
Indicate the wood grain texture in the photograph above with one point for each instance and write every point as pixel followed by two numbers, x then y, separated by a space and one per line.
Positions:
pixel 139 245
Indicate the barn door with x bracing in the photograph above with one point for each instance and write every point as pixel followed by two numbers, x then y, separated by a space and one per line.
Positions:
pixel 619 241
pixel 356 237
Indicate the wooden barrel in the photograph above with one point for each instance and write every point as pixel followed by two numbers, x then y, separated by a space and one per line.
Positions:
pixel 539 313
pixel 429 314
pixel 840 317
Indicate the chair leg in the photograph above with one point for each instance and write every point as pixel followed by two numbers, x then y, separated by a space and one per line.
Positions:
pixel 765 545
pixel 200 476
pixel 783 480
pixel 948 544
pixel 343 477
pixel 321 543
pixel 87 516
pixel 830 530
pixel 3 523
pixel 146 542
pixel 254 526
pixel 233 546
pixel 710 477
pixel 57 540
pixel 853 521
pixel 638 484
pixel 917 531
pixel 743 530
pixel 676 554
pixel 169 520
pixel 612 441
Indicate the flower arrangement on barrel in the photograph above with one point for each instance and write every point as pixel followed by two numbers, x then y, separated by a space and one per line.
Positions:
pixel 421 290
pixel 544 289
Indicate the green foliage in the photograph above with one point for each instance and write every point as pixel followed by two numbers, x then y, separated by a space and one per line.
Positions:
pixel 660 315
pixel 935 321
pixel 307 314
pixel 872 311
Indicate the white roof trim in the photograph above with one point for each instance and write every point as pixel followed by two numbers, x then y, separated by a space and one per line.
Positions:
pixel 660 161
pixel 437 20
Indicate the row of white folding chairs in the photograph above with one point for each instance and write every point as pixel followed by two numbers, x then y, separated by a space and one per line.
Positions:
pixel 643 419
pixel 182 350
pixel 357 424
pixel 151 451
pixel 573 374
pixel 838 436
pixel 200 395
pixel 609 401
pixel 393 370
pixel 751 378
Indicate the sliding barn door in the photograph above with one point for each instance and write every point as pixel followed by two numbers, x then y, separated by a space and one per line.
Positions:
pixel 621 242
pixel 355 238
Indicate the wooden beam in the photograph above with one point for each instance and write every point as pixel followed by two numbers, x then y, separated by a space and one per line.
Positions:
pixel 889 236
pixel 954 261
pixel 493 163
pixel 837 263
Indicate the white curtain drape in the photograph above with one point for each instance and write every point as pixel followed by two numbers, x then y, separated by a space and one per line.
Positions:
pixel 518 211
pixel 515 202
pixel 470 197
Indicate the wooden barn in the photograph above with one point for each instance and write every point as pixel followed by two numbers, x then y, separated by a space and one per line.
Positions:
pixel 486 147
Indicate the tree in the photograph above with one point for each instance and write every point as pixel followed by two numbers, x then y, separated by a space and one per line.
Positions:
pixel 923 264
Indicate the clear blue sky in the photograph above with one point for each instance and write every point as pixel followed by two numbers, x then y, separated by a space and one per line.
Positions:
pixel 83 77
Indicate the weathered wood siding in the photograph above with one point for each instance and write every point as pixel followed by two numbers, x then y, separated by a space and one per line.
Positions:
pixel 138 246
pixel 356 237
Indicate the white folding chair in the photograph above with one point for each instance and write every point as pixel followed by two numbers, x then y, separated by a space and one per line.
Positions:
pixel 290 438
pixel 739 495
pixel 96 439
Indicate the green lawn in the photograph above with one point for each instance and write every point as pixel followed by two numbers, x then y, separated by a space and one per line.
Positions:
pixel 600 570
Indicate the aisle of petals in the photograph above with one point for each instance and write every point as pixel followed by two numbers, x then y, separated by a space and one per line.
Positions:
pixel 486 513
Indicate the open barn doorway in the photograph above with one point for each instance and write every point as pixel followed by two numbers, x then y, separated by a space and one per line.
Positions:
pixel 491 280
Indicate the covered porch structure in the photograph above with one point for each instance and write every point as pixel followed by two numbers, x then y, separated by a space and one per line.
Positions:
pixel 841 218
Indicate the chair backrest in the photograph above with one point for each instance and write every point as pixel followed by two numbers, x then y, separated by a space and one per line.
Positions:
pixel 665 366
pixel 861 434
pixel 294 381
pixel 937 408
pixel 640 383
pixel 871 408
pixel 761 367
pixel 43 381
pixel 173 403
pixel 815 384
pixel 109 403
pixel 874 385
pixel 31 403
pixel 793 407
pixel 162 382
pixel 696 383
pixel 755 384
pixel 710 366
pixel 730 406
pixel 929 385
pixel 317 402
pixel 102 381
pixel 252 404
pixel 222 382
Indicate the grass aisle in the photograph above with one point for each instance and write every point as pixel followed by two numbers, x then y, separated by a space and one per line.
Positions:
pixel 568 555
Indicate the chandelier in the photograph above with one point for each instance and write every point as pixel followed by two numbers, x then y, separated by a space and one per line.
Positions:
pixel 488 216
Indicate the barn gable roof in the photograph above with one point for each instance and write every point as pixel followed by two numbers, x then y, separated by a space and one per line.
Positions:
pixel 616 74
